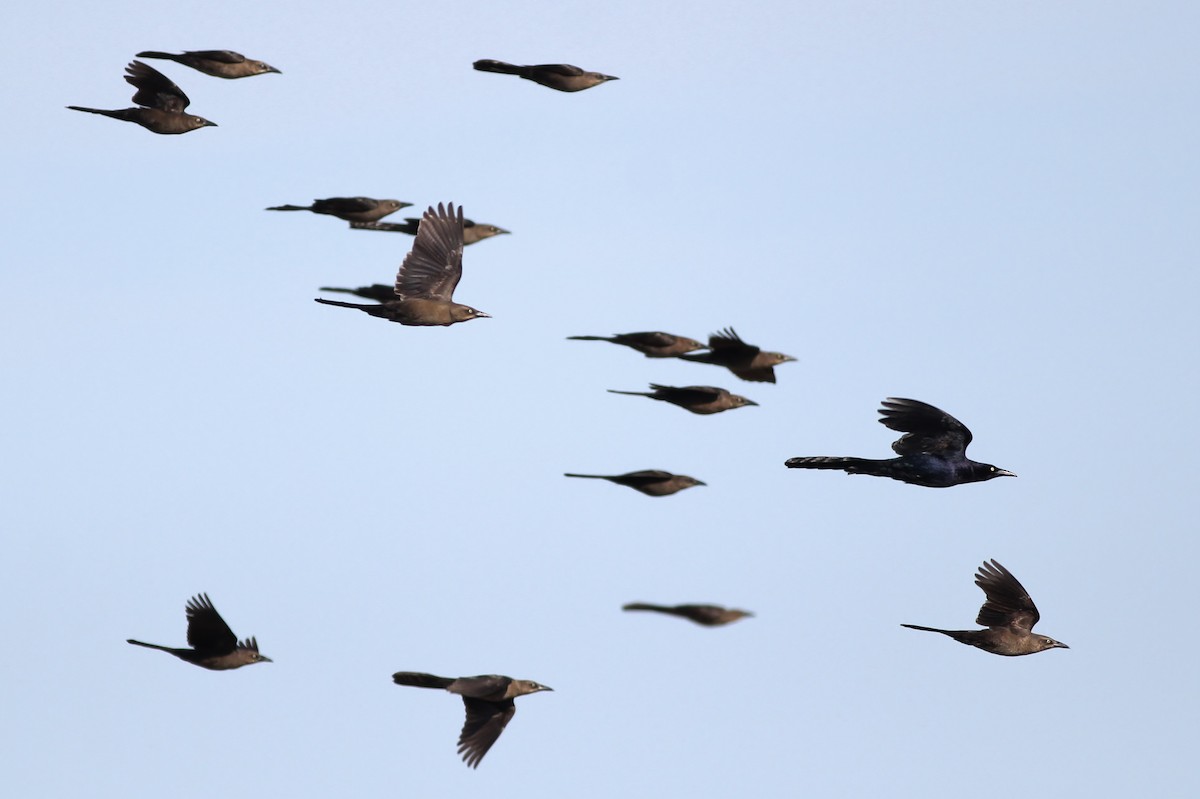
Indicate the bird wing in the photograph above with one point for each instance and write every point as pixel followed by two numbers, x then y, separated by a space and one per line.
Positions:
pixel 154 89
pixel 568 70
pixel 432 268
pixel 223 56
pixel 729 344
pixel 926 429
pixel 485 721
pixel 688 394
pixel 757 374
pixel 206 629
pixel 648 339
pixel 1008 603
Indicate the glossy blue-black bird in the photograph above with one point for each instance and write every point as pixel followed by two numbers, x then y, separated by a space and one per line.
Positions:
pixel 933 450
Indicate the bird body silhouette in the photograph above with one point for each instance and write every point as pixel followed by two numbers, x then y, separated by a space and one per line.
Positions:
pixel 747 361
pixel 1008 614
pixel 426 281
pixel 473 232
pixel 162 103
pixel 563 77
pixel 932 451
pixel 489 702
pixel 214 646
pixel 704 615
pixel 697 399
pixel 652 344
pixel 218 63
pixel 351 209
pixel 651 482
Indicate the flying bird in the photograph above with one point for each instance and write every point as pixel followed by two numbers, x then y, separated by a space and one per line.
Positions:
pixel 706 615
pixel 747 361
pixel 351 209
pixel 1008 614
pixel 932 450
pixel 162 102
pixel 214 646
pixel 564 77
pixel 472 231
pixel 427 278
pixel 218 63
pixel 651 482
pixel 697 399
pixel 652 344
pixel 489 702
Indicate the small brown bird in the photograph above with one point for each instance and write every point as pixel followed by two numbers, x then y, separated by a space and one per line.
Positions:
pixel 380 292
pixel 489 702
pixel 652 344
pixel 163 103
pixel 706 615
pixel 426 281
pixel 351 209
pixel 218 63
pixel 1009 615
pixel 651 482
pixel 744 360
pixel 564 77
pixel 697 399
pixel 472 231
pixel 214 646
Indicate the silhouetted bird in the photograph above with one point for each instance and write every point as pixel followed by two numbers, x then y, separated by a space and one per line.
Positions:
pixel 352 209
pixel 380 292
pixel 427 278
pixel 564 77
pixel 652 344
pixel 651 482
pixel 744 360
pixel 1009 615
pixel 163 102
pixel 218 63
pixel 472 231
pixel 932 450
pixel 697 399
pixel 214 646
pixel 707 615
pixel 489 701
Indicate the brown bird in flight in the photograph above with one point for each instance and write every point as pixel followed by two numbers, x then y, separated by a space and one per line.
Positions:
pixel 489 702
pixel 473 232
pixel 652 344
pixel 426 281
pixel 214 646
pixel 218 63
pixel 1008 614
pixel 351 209
pixel 747 361
pixel 564 77
pixel 706 615
pixel 651 482
pixel 162 102
pixel 697 399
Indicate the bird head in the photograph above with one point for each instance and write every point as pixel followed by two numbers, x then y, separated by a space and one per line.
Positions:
pixel 200 122
pixel 738 400
pixel 986 471
pixel 1046 642
pixel 261 67
pixel 463 313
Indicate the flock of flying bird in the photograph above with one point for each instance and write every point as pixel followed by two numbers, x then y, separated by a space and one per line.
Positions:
pixel 930 452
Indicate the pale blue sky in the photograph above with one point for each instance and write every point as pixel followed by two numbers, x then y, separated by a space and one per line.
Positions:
pixel 991 207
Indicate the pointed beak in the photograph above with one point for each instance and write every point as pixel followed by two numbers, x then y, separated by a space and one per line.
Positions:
pixel 483 315
pixel 1005 473
pixel 700 483
pixel 1060 645
pixel 265 659
pixel 272 69
pixel 208 124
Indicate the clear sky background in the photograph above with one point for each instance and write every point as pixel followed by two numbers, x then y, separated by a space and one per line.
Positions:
pixel 991 207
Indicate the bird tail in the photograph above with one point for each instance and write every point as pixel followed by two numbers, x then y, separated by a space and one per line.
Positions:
pixel 340 304
pixel 491 65
pixel 148 646
pixel 156 54
pixel 290 208
pixel 420 679
pixel 643 606
pixel 850 465
pixel 631 393
pixel 116 114
pixel 588 338
pixel 593 476
pixel 339 291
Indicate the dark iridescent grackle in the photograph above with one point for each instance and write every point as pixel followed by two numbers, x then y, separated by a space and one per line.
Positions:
pixel 932 450
pixel 214 646
pixel 744 360
pixel 218 63
pixel 163 103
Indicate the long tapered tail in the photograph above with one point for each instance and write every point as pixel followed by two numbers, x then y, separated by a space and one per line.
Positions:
pixel 340 291
pixel 592 476
pixel 420 679
pixel 120 114
pixel 157 54
pixel 491 65
pixel 588 338
pixel 148 646
pixel 851 465
pixel 290 208
pixel 631 393
pixel 646 606
pixel 968 637
pixel 340 304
